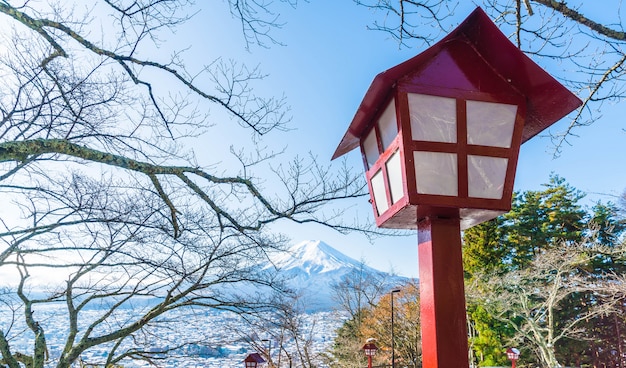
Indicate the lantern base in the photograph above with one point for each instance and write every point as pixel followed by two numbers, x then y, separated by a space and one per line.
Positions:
pixel 409 216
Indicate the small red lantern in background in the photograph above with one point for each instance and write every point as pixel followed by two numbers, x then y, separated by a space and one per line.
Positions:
pixel 370 349
pixel 513 355
pixel 440 136
pixel 254 360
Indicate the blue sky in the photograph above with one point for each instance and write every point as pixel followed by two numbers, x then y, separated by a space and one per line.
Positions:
pixel 324 68
pixel 327 63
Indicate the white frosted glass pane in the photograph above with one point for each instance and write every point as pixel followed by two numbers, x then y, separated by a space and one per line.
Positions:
pixel 370 146
pixel 486 176
pixel 436 173
pixel 490 124
pixel 388 125
pixel 394 171
pixel 433 118
pixel 380 196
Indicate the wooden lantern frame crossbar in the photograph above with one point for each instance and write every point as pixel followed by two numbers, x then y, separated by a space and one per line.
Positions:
pixel 403 145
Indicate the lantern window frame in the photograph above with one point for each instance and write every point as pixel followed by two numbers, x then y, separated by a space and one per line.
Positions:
pixel 512 354
pixel 404 146
pixel 370 349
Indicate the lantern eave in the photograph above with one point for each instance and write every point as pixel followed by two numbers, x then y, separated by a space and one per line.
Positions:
pixel 254 358
pixel 547 100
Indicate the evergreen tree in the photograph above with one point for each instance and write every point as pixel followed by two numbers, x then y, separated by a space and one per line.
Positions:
pixel 484 249
pixel 511 251
pixel 542 219
pixel 607 222
pixel 346 349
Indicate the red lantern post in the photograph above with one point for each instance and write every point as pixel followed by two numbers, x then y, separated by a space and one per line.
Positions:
pixel 513 355
pixel 440 136
pixel 369 349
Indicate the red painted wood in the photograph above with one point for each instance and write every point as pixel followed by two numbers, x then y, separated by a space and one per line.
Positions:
pixel 476 56
pixel 442 295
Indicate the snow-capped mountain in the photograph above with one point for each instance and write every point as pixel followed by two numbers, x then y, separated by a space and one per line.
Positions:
pixel 312 267
pixel 314 257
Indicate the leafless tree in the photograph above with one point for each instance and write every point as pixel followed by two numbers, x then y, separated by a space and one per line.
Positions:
pixel 582 47
pixel 528 300
pixel 359 290
pixel 286 337
pixel 99 188
pixel 363 295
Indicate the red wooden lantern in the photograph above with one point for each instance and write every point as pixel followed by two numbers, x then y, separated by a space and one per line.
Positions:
pixel 440 136
pixel 440 133
pixel 254 360
pixel 370 349
pixel 513 355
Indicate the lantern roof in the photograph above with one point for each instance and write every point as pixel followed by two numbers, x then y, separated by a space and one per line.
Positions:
pixel 513 351
pixel 370 345
pixel 475 41
pixel 254 357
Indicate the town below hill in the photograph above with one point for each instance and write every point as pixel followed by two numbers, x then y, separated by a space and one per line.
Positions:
pixel 222 338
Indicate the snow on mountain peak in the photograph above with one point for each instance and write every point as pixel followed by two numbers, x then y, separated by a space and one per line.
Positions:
pixel 313 256
pixel 311 267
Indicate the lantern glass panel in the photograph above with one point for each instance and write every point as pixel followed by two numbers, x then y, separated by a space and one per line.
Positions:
pixel 486 176
pixel 433 118
pixel 436 173
pixel 370 147
pixel 394 171
pixel 512 356
pixel 490 124
pixel 380 194
pixel 388 125
pixel 251 364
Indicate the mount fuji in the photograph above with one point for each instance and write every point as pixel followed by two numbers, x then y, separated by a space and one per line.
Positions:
pixel 312 267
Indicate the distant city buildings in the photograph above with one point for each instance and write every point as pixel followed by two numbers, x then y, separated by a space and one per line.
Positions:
pixel 212 340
